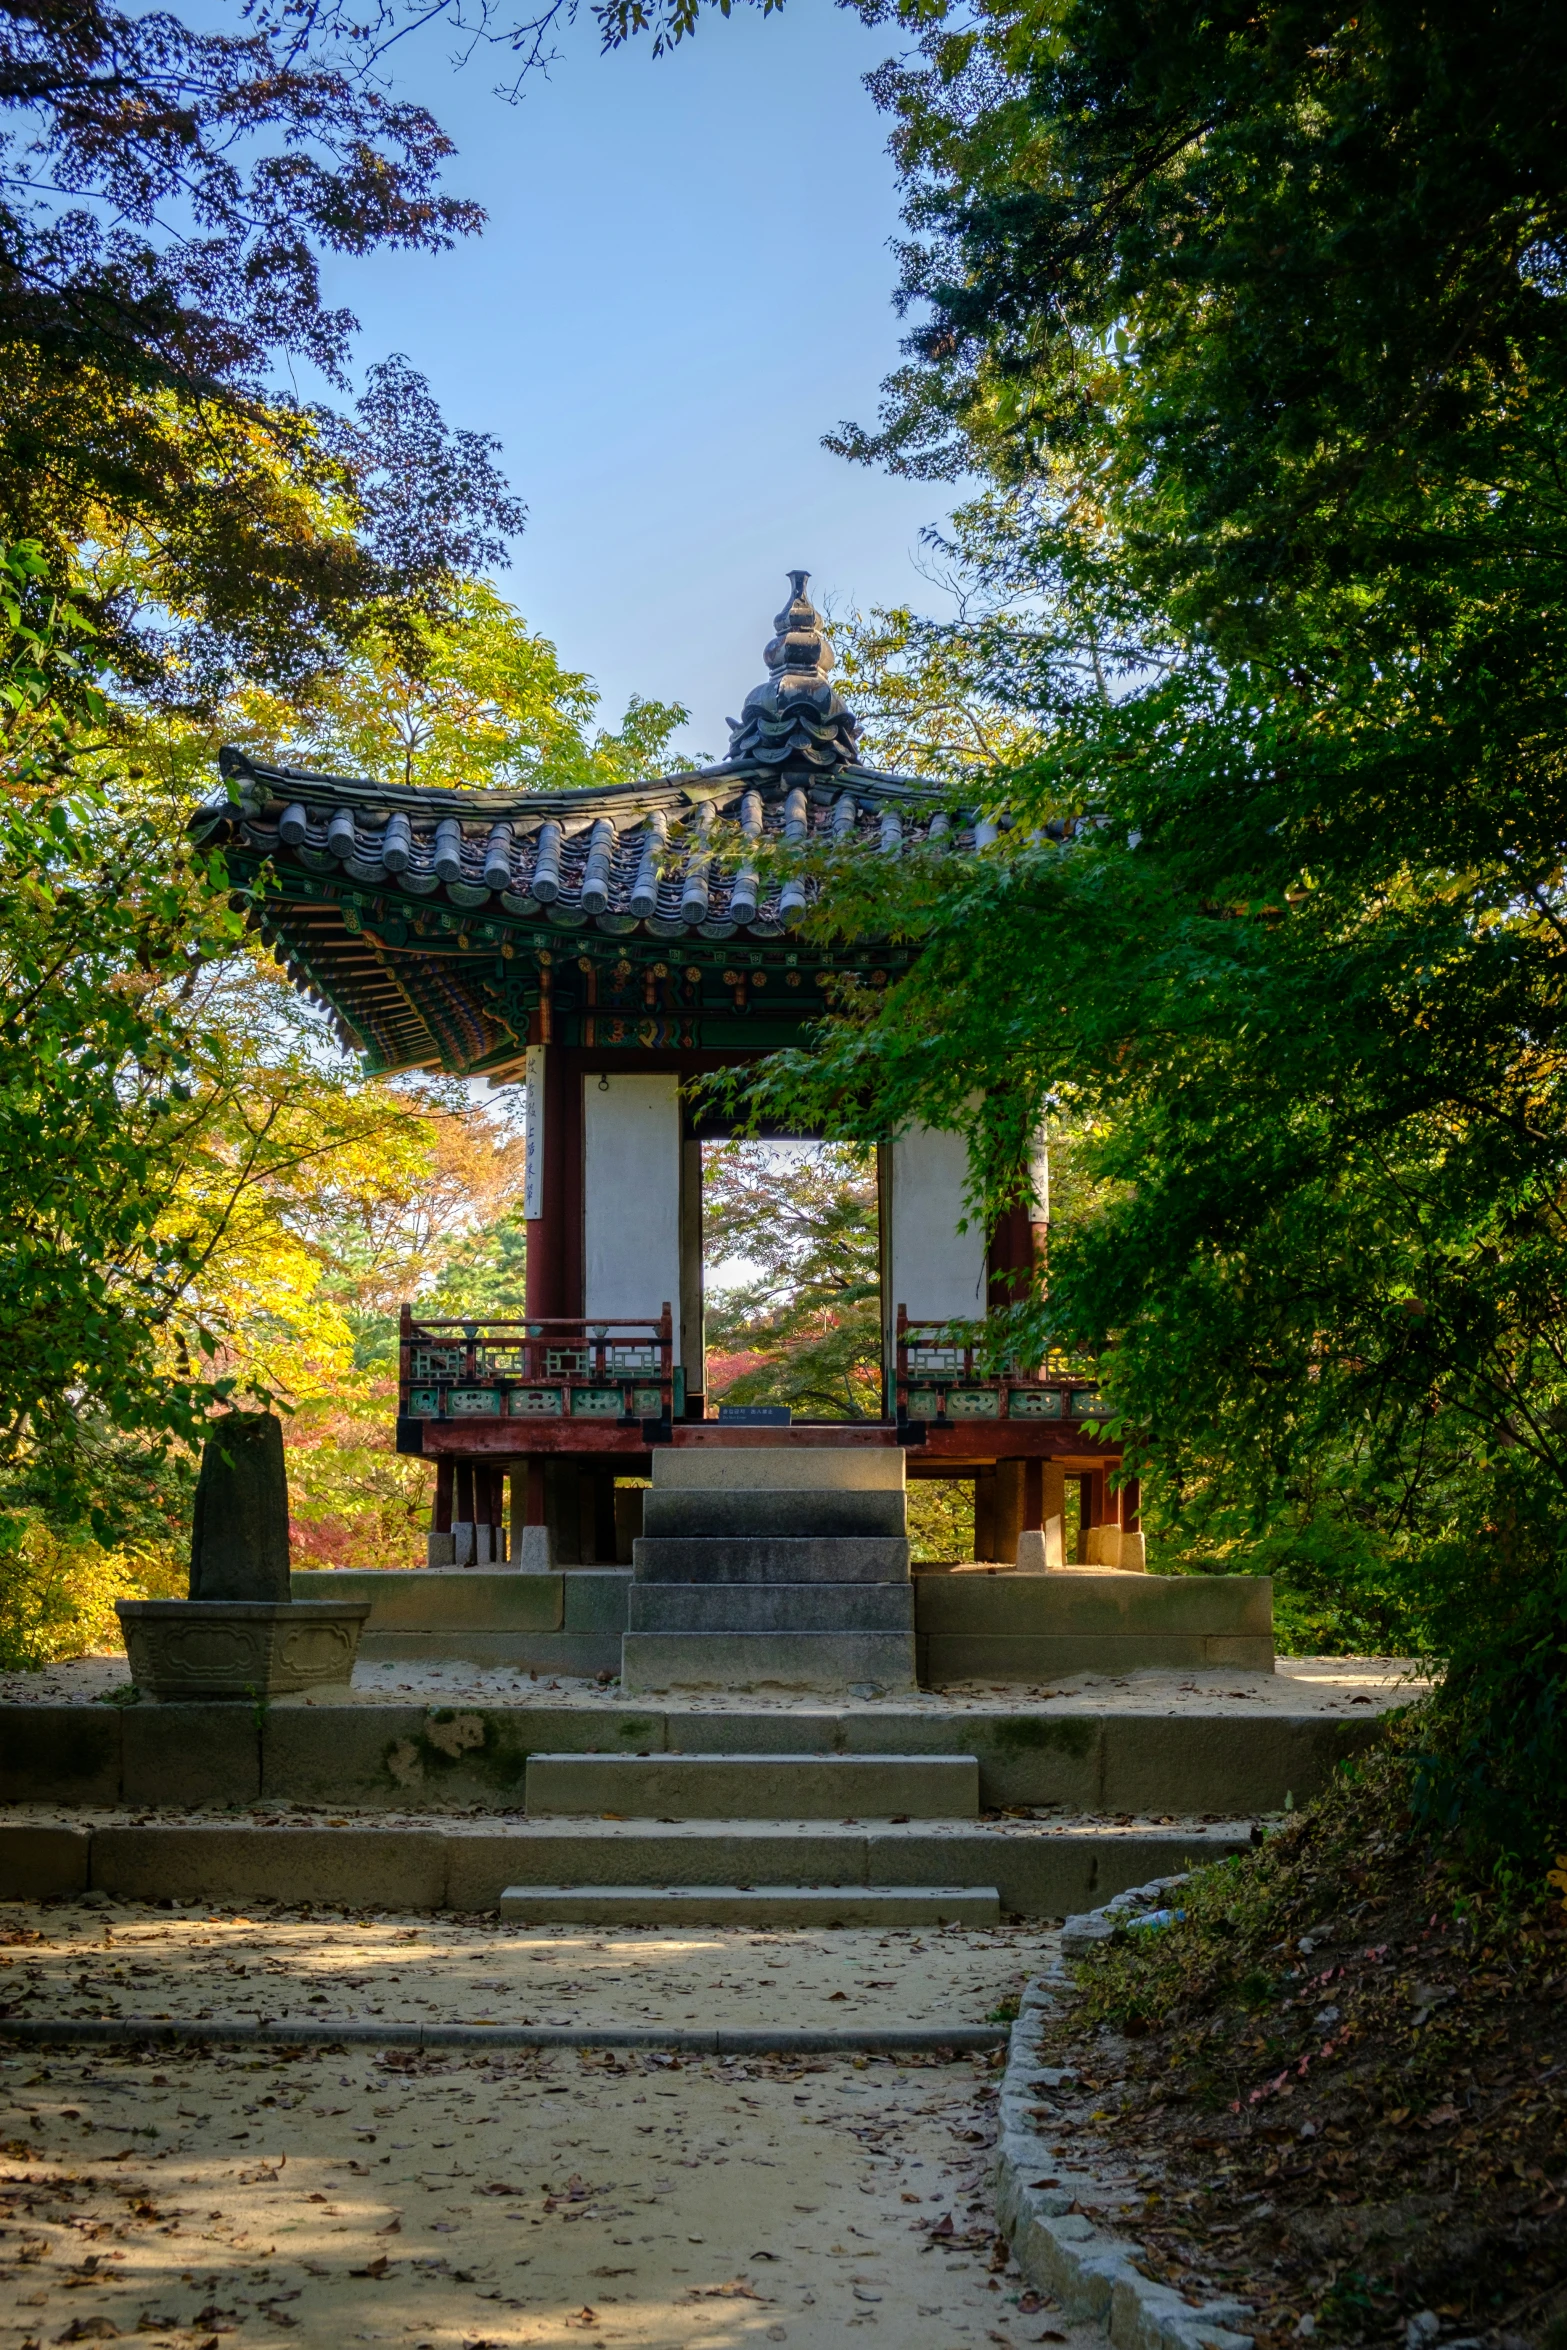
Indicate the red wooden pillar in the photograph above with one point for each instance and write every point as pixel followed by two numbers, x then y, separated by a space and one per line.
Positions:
pixel 1009 1258
pixel 984 1514
pixel 1033 1495
pixel 441 1522
pixel 554 1270
pixel 1132 1506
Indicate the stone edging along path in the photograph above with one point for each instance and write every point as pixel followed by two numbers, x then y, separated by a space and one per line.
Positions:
pixel 236 2031
pixel 1087 2270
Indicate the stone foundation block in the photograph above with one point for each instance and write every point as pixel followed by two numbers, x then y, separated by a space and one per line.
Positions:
pixel 781 1515
pixel 752 1905
pixel 535 1546
pixel 1083 1603
pixel 595 1600
pixel 382 1868
pixel 60 1753
pixel 41 1863
pixel 749 1468
pixel 208 1754
pixel 412 1758
pixel 1216 1762
pixel 770 1607
pixel 465 1599
pixel 637 1852
pixel 1041 1658
pixel 530 1652
pixel 717 1558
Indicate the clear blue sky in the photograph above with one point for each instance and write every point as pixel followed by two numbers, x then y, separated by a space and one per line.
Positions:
pixel 686 278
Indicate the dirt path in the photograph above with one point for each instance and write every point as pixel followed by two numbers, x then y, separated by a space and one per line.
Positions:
pixel 121 1959
pixel 501 2200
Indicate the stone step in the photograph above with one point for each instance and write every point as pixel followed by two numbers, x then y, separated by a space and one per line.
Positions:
pixel 787 1515
pixel 1038 1869
pixel 820 1468
pixel 771 1607
pixel 872 1558
pixel 752 1905
pixel 406 1755
pixel 755 1786
pixel 875 1663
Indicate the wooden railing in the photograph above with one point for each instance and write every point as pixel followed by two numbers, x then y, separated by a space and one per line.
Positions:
pixel 937 1382
pixel 564 1368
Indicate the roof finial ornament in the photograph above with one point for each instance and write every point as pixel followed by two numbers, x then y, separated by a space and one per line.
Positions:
pixel 797 720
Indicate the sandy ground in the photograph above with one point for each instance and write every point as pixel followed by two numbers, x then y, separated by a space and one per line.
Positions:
pixel 123 1959
pixel 1298 1684
pixel 482 2201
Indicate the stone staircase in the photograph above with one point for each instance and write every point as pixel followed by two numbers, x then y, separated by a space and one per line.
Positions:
pixel 761 1567
pixel 747 1825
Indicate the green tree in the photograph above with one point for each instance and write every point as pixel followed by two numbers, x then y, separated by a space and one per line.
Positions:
pixel 804 1328
pixel 1263 315
pixel 171 190
pixel 924 696
pixel 468 696
pixel 102 923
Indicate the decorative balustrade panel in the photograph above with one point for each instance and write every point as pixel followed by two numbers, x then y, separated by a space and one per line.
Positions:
pixel 942 1377
pixel 559 1369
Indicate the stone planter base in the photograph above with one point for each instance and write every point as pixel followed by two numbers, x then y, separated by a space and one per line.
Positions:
pixel 233 1648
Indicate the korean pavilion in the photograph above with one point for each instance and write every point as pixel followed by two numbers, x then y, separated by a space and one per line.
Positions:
pixel 603 947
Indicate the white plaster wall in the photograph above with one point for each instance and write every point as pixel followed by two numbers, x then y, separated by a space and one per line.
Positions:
pixel 937 1272
pixel 631 1195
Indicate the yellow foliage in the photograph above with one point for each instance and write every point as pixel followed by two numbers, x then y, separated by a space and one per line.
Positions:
pixel 473 697
pixel 57 1592
pixel 311 1198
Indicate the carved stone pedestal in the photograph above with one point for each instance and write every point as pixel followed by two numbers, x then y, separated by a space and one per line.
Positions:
pixel 237 1649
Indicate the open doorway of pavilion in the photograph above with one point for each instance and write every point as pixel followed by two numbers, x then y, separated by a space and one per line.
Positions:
pixel 791 1279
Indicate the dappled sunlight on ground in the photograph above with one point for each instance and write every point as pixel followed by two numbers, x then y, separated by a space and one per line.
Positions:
pixel 132 1960
pixel 467 2200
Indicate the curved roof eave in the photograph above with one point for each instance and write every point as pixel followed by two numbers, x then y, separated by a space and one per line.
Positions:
pixel 688 787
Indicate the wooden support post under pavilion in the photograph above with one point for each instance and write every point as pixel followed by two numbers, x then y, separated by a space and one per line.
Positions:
pixel 440 1538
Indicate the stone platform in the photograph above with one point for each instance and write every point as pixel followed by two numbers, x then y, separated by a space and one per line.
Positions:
pixel 762 1567
pixel 987 1624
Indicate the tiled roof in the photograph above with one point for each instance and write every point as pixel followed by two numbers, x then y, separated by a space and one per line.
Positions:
pixel 668 857
pixel 433 921
pixel 671 856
